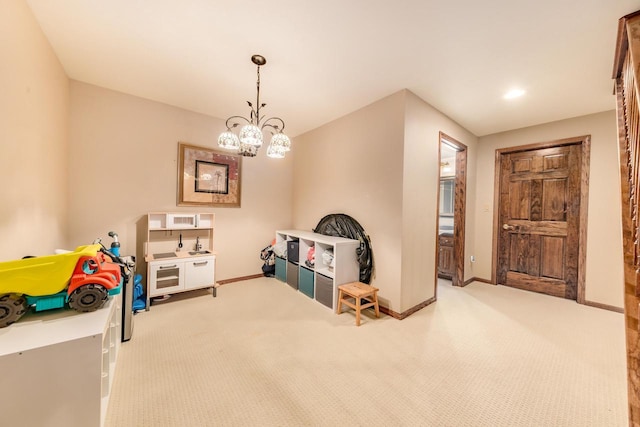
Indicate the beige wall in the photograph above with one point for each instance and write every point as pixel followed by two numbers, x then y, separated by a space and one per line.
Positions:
pixel 353 165
pixel 123 161
pixel 34 109
pixel 423 125
pixel 61 142
pixel 380 165
pixel 604 231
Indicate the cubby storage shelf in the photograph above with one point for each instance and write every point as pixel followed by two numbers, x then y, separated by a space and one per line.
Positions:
pixel 321 280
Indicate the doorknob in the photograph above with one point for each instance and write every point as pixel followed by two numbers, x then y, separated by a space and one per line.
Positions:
pixel 508 227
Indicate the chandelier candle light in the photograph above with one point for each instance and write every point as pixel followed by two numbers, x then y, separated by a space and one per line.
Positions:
pixel 249 139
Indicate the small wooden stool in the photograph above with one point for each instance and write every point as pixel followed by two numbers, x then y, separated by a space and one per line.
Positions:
pixel 358 291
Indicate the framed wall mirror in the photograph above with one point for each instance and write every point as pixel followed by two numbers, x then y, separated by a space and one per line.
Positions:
pixel 447 192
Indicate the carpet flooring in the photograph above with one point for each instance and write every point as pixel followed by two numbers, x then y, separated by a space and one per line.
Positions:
pixel 263 354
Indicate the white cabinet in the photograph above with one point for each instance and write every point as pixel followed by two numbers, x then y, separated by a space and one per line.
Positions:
pixel 111 339
pixel 198 273
pixel 58 366
pixel 336 263
pixel 179 274
pixel 179 252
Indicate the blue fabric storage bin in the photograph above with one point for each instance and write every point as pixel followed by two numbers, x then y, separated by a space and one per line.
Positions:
pixel 305 283
pixel 281 269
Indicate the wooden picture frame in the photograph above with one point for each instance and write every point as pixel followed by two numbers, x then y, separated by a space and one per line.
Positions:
pixel 208 177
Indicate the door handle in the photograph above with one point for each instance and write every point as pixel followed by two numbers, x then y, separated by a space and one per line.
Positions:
pixel 508 227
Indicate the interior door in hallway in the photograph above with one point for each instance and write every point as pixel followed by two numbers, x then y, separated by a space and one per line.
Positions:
pixel 539 220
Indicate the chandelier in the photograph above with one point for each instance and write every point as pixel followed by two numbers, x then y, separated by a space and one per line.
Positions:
pixel 249 138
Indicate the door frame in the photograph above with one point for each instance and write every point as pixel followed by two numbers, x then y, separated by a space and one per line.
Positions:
pixel 459 208
pixel 585 144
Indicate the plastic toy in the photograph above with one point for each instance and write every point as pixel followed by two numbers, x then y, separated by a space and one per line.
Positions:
pixel 139 301
pixel 83 279
pixel 311 257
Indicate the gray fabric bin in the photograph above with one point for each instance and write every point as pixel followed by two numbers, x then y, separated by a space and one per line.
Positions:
pixel 324 290
pixel 292 275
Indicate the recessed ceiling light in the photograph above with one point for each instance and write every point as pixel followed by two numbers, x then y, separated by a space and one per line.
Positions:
pixel 514 93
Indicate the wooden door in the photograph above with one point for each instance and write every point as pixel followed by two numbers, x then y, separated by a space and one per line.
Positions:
pixel 539 220
pixel 459 215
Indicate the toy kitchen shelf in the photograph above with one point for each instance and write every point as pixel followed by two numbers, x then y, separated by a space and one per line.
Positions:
pixel 179 253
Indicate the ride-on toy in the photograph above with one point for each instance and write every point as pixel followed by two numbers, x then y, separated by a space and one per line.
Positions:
pixel 84 279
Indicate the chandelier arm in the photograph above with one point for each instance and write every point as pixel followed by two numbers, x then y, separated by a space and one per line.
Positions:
pixel 235 124
pixel 276 127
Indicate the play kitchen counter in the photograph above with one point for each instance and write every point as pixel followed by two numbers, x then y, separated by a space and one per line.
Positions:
pixel 170 255
pixel 179 253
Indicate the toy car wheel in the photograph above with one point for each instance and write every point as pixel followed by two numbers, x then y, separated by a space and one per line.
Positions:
pixel 88 298
pixel 12 307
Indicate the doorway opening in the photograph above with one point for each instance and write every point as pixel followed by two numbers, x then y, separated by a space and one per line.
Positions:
pixel 451 210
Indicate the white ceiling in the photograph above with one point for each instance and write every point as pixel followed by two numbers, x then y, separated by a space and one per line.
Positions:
pixel 328 58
